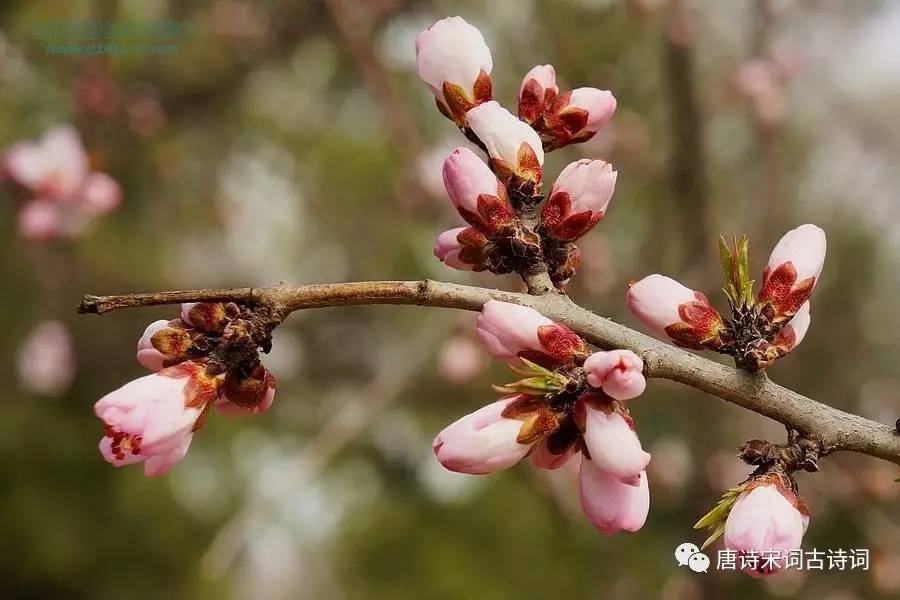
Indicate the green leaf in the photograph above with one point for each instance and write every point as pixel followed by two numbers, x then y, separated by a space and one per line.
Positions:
pixel 536 368
pixel 725 255
pixel 715 519
pixel 716 534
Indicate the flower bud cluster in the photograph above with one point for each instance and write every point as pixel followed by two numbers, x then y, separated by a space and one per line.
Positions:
pixel 567 402
pixel 763 327
pixel 207 358
pixel 499 199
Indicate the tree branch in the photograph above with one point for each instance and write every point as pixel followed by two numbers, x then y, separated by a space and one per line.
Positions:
pixel 835 429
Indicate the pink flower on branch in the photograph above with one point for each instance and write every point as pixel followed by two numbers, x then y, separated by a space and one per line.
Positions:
pixel 247 395
pixel 476 193
pixel 792 272
pixel 579 199
pixel 462 248
pixel 619 373
pixel 482 442
pixel 611 505
pixel 511 332
pixel 613 445
pixel 514 147
pixel 152 419
pixel 792 333
pixel 453 59
pixel 683 314
pixel 576 116
pixel 537 92
pixel 766 519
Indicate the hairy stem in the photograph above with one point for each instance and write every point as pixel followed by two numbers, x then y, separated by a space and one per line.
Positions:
pixel 835 429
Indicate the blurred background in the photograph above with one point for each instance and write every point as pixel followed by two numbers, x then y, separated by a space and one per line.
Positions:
pixel 271 141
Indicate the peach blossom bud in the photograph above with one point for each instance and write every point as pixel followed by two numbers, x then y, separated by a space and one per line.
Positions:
pixel 613 445
pixel 537 92
pixel 454 60
pixel 46 359
pixel 249 395
pixel 148 420
pixel 578 199
pixel 208 316
pixel 764 520
pixel 683 314
pixel 793 270
pixel 792 333
pixel 54 167
pixel 481 442
pixel 619 373
pixel 510 332
pixel 461 248
pixel 476 193
pixel 514 147
pixel 100 194
pixel 609 504
pixel 577 115
pixel 40 221
pixel 149 357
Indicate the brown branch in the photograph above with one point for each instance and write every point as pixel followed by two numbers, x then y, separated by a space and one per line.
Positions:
pixel 835 429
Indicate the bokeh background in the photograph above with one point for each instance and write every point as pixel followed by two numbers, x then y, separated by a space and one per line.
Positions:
pixel 293 141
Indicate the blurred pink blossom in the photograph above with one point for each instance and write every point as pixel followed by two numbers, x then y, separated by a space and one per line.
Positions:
pixel 61 195
pixel 460 359
pixel 46 360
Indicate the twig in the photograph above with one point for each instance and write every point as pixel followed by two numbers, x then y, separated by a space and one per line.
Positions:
pixel 835 429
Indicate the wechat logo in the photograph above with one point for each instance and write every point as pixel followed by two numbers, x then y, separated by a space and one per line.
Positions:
pixel 690 555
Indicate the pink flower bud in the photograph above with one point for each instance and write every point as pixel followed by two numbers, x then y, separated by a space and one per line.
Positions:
pixel 792 333
pixel 253 394
pixel 510 332
pixel 461 248
pixel 149 419
pixel 578 199
pixel 613 445
pixel 793 270
pixel 207 316
pixel 619 373
pixel 476 193
pixel 149 357
pixel 40 221
pixel 764 520
pixel 514 147
pixel 100 194
pixel 683 314
pixel 46 359
pixel 54 166
pixel 609 504
pixel 481 442
pixel 537 92
pixel 577 115
pixel 454 60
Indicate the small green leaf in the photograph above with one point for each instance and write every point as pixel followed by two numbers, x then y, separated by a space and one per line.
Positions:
pixel 725 255
pixel 716 534
pixel 536 368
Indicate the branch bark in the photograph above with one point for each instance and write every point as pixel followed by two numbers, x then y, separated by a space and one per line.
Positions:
pixel 835 429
